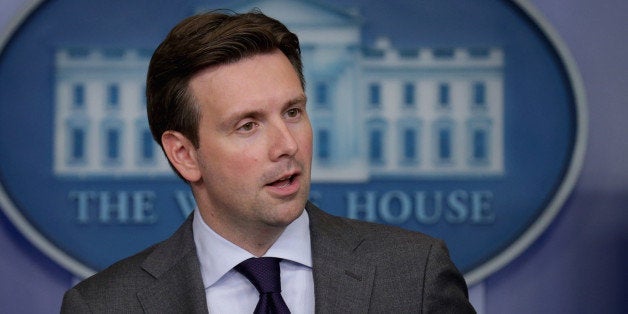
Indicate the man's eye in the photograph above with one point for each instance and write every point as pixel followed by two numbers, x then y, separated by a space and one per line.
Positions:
pixel 292 113
pixel 247 127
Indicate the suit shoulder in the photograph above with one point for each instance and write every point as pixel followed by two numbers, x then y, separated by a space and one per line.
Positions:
pixel 370 234
pixel 112 289
pixel 123 275
pixel 384 232
pixel 139 269
pixel 117 287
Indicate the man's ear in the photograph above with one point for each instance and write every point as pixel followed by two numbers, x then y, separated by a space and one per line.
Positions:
pixel 182 154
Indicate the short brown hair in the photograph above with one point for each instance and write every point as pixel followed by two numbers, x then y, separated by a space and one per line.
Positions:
pixel 199 42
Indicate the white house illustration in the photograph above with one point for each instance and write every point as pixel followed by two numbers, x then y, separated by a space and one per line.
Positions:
pixel 376 111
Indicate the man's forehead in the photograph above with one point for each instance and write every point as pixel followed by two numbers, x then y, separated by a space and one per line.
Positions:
pixel 255 79
pixel 235 62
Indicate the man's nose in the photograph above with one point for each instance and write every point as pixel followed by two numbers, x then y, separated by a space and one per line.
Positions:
pixel 283 142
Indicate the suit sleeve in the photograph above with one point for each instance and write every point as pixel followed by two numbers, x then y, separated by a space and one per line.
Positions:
pixel 73 303
pixel 445 290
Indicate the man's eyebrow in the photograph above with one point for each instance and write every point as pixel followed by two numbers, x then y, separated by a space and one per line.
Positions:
pixel 299 100
pixel 240 115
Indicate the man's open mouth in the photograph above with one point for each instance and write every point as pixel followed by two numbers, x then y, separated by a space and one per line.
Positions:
pixel 283 182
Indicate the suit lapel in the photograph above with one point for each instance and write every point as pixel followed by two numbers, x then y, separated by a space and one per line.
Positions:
pixel 343 280
pixel 178 287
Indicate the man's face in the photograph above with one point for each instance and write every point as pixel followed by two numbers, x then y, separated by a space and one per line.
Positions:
pixel 255 148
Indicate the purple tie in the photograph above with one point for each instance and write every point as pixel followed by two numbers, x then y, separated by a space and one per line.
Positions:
pixel 263 273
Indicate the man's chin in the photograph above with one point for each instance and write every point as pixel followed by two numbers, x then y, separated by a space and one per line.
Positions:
pixel 286 215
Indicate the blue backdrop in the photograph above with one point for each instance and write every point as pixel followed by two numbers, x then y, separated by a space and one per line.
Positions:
pixel 577 265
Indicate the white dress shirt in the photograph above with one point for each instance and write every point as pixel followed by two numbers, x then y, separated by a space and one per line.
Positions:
pixel 228 291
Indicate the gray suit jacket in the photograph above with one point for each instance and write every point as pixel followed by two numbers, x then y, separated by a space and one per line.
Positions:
pixel 358 267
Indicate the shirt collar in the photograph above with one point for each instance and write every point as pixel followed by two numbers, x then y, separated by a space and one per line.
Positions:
pixel 218 256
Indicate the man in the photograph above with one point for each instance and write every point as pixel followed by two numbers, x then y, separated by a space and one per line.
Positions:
pixel 226 103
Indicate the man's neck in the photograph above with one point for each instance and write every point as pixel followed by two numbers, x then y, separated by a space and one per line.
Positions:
pixel 255 239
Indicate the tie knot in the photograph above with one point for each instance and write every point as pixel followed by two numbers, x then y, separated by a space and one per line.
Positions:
pixel 263 273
